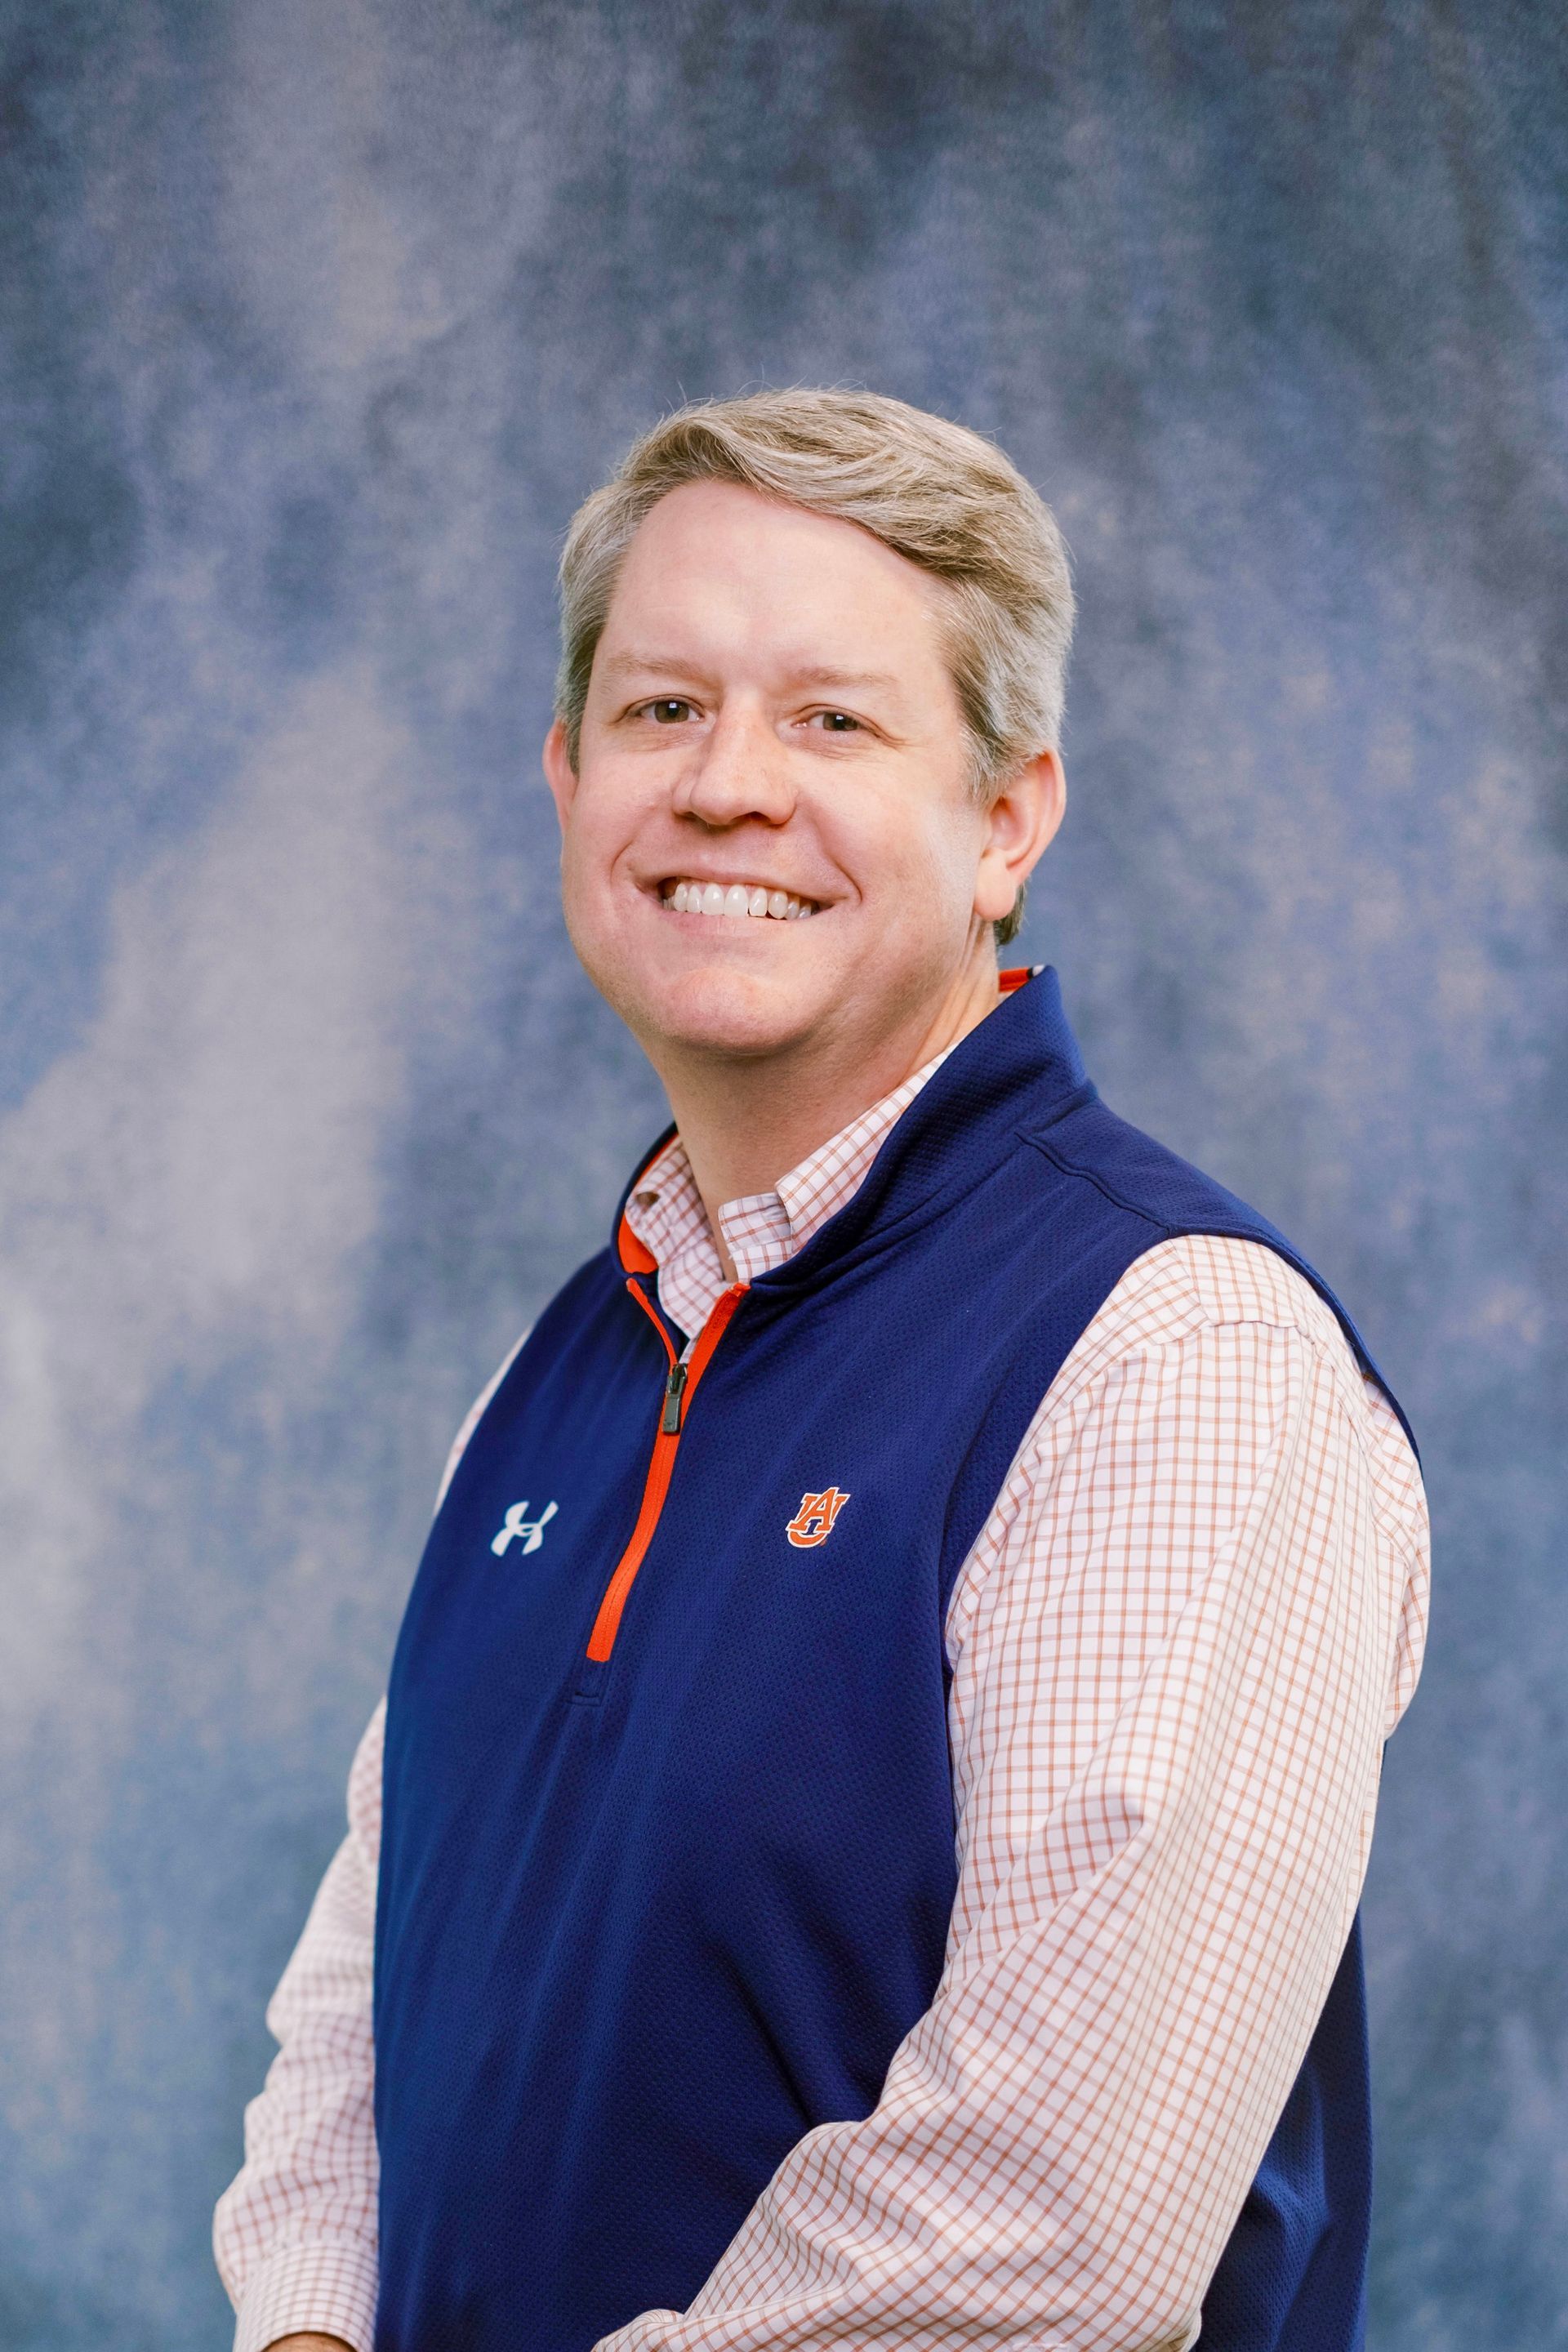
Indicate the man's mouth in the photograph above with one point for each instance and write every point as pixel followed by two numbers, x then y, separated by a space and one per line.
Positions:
pixel 736 900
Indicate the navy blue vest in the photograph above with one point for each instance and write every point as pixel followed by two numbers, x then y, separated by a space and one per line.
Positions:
pixel 668 1856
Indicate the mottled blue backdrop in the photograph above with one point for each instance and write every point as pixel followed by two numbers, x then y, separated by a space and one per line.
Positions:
pixel 318 318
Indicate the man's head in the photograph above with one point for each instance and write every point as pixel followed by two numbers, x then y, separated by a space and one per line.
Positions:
pixel 814 645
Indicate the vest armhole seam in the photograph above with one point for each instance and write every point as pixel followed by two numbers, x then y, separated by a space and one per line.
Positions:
pixel 1234 1231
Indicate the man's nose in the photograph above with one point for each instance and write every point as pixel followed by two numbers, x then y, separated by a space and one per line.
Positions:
pixel 741 771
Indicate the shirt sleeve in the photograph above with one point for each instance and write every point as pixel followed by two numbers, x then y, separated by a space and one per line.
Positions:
pixel 294 2235
pixel 1178 1646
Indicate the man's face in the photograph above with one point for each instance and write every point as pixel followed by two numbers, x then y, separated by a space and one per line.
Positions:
pixel 771 725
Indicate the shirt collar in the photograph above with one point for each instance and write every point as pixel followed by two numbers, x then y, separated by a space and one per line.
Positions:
pixel 762 1230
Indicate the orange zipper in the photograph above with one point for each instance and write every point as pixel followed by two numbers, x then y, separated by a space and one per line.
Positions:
pixel 678 1392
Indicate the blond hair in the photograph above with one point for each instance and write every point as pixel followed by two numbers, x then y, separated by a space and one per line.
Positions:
pixel 933 491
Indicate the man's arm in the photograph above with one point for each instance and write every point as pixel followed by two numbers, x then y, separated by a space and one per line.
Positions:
pixel 295 2234
pixel 1178 1646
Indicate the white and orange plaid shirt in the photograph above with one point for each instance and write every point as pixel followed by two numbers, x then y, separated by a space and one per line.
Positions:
pixel 1194 1616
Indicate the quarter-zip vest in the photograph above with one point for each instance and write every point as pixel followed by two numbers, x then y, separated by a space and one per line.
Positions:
pixel 668 1857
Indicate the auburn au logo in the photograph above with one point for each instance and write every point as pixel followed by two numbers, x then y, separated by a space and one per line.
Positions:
pixel 813 1523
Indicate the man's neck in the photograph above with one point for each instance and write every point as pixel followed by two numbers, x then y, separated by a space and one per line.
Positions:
pixel 745 1124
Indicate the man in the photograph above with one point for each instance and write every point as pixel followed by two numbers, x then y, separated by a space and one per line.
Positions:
pixel 880 1756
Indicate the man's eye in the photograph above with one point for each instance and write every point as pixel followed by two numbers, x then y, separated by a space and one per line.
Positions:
pixel 837 723
pixel 669 709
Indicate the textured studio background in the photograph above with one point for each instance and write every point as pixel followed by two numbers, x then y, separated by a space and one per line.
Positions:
pixel 318 318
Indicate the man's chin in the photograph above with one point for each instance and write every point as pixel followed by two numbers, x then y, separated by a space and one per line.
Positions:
pixel 726 1017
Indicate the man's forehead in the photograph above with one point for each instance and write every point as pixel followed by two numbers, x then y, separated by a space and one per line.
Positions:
pixel 719 583
pixel 716 542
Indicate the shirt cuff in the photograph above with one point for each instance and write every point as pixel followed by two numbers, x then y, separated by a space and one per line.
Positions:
pixel 327 2287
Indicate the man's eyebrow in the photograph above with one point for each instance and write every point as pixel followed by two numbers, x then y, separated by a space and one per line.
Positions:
pixel 824 674
pixel 631 665
pixel 634 664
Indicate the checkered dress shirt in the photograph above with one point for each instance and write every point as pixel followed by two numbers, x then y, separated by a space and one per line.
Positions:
pixel 1194 1616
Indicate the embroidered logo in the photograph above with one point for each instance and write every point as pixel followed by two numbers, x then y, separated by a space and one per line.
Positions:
pixel 813 1523
pixel 528 1533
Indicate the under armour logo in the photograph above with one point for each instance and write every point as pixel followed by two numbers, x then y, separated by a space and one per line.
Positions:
pixel 528 1533
pixel 813 1523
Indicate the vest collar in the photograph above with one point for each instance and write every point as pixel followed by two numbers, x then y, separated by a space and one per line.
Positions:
pixel 1020 1064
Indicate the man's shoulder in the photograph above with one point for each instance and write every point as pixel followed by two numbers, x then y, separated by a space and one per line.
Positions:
pixel 1143 1177
pixel 1197 1286
pixel 1209 1256
pixel 573 1308
pixel 1191 1282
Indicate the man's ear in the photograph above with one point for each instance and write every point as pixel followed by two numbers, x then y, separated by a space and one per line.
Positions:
pixel 1020 824
pixel 559 773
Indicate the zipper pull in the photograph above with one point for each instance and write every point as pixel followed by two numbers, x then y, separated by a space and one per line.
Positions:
pixel 669 1421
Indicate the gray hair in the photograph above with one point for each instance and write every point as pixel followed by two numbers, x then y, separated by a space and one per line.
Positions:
pixel 933 491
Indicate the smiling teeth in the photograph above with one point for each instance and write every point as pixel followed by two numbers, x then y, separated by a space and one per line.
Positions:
pixel 737 899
